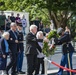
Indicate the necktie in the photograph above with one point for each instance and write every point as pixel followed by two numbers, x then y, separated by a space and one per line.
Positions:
pixel 15 34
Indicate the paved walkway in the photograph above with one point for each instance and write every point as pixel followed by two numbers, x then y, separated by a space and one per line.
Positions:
pixel 52 69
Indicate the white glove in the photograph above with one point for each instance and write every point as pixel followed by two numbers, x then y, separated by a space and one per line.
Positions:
pixel 40 55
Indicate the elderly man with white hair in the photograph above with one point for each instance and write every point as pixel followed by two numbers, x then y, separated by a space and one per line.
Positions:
pixel 31 50
pixel 13 42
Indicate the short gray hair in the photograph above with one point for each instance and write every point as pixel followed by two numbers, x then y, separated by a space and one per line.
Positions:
pixel 5 34
pixel 32 27
pixel 38 34
pixel 13 24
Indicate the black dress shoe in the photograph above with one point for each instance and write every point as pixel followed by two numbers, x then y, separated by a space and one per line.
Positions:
pixel 21 72
pixel 6 72
pixel 14 74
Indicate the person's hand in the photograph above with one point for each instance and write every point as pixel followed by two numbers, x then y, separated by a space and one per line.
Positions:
pixel 46 40
pixel 52 47
pixel 16 41
pixel 67 30
pixel 4 56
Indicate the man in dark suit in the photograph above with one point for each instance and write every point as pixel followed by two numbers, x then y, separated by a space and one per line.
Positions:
pixel 13 41
pixel 31 50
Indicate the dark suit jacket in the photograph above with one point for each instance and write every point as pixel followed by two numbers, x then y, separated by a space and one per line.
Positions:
pixel 32 44
pixel 11 41
pixel 20 44
pixel 3 47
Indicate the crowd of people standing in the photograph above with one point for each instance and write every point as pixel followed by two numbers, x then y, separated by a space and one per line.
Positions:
pixel 6 21
pixel 11 43
pixel 13 28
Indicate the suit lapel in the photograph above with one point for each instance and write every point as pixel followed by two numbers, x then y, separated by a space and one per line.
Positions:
pixel 13 34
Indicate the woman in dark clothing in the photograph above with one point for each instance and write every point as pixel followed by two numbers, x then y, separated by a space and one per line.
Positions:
pixel 4 47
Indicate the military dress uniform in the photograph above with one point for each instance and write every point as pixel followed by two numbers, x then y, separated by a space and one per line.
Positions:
pixel 67 50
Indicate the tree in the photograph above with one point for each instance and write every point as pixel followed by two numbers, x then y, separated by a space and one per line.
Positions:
pixel 2 5
pixel 58 10
pixel 72 23
pixel 14 5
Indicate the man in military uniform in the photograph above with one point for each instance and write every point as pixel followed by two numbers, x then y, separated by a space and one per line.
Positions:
pixel 67 49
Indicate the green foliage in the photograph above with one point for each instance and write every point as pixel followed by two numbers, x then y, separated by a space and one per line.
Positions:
pixel 46 50
pixel 2 5
pixel 52 33
pixel 72 25
pixel 59 7
pixel 43 9
pixel 40 8
pixel 15 5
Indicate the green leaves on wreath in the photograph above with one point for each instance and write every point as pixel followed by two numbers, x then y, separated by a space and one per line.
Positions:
pixel 52 34
pixel 46 50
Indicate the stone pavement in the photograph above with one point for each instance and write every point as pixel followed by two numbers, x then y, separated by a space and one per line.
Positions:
pixel 52 69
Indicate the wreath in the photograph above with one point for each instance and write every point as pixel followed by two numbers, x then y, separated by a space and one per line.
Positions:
pixel 49 50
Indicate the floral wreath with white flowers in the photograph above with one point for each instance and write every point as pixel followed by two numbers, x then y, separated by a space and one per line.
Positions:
pixel 49 49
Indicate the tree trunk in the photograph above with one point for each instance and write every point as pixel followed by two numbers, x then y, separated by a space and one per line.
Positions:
pixel 58 23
